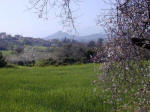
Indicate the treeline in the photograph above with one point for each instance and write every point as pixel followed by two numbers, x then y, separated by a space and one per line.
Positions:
pixel 72 52
pixel 23 52
pixel 9 42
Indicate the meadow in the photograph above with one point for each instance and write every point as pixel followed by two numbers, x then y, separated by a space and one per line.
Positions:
pixel 50 89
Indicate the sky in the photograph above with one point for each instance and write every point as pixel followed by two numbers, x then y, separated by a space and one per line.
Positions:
pixel 15 18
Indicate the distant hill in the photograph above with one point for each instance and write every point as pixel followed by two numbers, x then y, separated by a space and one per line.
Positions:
pixel 61 35
pixel 11 42
pixel 58 35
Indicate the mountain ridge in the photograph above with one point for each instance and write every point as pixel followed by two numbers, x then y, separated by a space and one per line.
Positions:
pixel 86 38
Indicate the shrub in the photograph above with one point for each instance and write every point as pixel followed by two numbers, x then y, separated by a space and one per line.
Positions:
pixel 21 63
pixel 67 60
pixel 47 62
pixel 19 49
pixel 3 63
pixel 26 63
pixel 59 61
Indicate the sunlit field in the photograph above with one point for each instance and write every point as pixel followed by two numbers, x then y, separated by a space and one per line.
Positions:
pixel 50 89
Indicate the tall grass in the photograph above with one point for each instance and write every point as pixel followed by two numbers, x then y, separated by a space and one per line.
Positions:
pixel 49 89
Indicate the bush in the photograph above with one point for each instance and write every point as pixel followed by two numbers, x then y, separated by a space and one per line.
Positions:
pixel 47 62
pixel 3 63
pixel 26 63
pixel 67 60
pixel 21 63
pixel 19 49
pixel 59 61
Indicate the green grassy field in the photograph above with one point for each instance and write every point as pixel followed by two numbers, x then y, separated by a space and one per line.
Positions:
pixel 49 89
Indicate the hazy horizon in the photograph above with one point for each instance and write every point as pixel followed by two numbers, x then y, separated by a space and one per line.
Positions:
pixel 17 19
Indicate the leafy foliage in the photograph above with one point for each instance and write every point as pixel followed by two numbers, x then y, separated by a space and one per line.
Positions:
pixel 3 63
pixel 25 50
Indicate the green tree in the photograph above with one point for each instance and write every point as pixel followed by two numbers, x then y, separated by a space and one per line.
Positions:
pixel 3 63
pixel 91 44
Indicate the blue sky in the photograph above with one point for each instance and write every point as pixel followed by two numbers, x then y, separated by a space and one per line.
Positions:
pixel 16 19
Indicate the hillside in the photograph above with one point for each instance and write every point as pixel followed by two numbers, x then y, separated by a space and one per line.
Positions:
pixel 28 51
pixel 9 41
pixel 62 35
